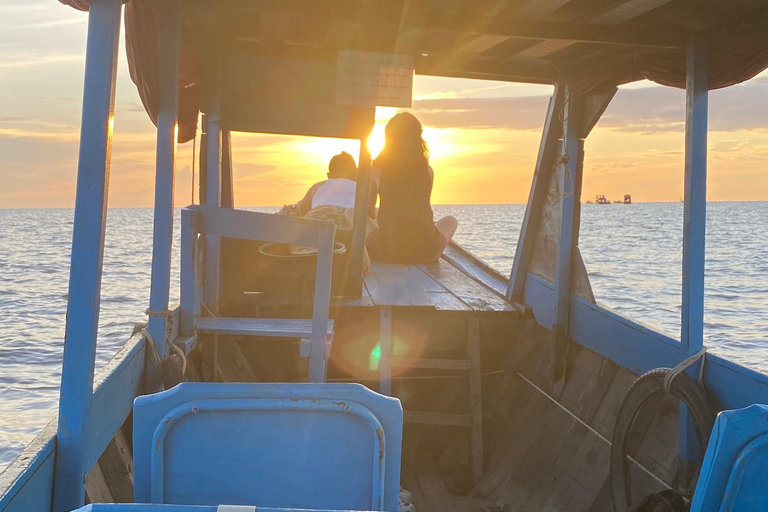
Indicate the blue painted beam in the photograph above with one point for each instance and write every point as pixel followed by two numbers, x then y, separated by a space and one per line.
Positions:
pixel 694 223
pixel 117 384
pixel 539 188
pixel 190 285
pixel 213 196
pixel 639 348
pixel 695 208
pixel 623 341
pixel 165 169
pixel 87 251
pixel 227 178
pixel 570 186
pixel 26 485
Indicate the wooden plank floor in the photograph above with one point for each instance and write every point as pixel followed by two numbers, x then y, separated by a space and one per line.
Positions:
pixel 440 285
pixel 456 282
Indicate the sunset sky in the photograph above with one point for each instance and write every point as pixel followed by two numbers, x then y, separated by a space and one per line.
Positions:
pixel 483 135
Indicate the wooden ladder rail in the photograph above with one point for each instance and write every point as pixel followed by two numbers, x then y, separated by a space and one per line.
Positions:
pixel 471 365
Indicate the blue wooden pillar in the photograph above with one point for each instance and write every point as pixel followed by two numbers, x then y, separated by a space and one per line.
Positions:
pixel 165 168
pixel 227 178
pixel 539 188
pixel 87 253
pixel 694 221
pixel 570 187
pixel 213 195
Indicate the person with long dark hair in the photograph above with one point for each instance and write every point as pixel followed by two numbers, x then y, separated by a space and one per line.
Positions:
pixel 405 231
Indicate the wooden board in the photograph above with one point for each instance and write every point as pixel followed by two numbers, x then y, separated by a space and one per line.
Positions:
pixel 553 453
pixel 473 294
pixel 394 285
pixel 265 327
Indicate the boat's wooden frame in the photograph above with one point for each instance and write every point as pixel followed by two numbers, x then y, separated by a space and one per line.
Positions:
pixel 51 473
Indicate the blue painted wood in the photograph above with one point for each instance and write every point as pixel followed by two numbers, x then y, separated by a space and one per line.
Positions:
pixel 734 474
pixel 695 208
pixel 299 445
pixel 732 386
pixel 87 251
pixel 627 343
pixel 227 178
pixel 694 223
pixel 266 327
pixel 640 349
pixel 240 224
pixel 539 188
pixel 117 384
pixel 569 188
pixel 319 342
pixel 165 171
pixel 190 286
pixel 213 197
pixel 26 485
pixel 265 227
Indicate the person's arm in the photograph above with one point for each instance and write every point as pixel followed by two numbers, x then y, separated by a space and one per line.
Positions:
pixel 306 203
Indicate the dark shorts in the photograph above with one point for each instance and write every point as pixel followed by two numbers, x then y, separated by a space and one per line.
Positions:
pixel 380 249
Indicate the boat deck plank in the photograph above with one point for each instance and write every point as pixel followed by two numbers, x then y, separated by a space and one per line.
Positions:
pixel 394 285
pixel 453 283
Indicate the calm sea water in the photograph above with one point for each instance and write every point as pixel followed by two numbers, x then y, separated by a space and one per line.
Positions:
pixel 632 253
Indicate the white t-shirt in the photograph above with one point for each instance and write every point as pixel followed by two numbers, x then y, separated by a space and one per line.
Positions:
pixel 335 192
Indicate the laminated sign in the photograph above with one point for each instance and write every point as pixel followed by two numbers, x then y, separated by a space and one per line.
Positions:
pixel 374 79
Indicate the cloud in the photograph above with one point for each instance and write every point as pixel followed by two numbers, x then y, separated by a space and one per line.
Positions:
pixel 648 110
pixel 526 113
pixel 29 61
pixel 662 109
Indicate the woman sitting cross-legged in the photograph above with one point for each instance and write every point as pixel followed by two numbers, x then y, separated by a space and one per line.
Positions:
pixel 405 231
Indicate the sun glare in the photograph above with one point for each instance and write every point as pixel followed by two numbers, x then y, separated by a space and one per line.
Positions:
pixel 375 141
pixel 436 140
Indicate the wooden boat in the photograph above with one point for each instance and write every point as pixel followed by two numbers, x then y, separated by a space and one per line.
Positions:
pixel 517 393
pixel 601 199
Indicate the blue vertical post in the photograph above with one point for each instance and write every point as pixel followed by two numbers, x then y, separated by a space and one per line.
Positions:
pixel 694 221
pixel 158 324
pixel 213 198
pixel 87 252
pixel 227 178
pixel 539 188
pixel 569 189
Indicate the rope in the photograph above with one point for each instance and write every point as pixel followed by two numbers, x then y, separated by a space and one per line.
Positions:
pixel 165 313
pixel 156 362
pixel 174 348
pixel 677 370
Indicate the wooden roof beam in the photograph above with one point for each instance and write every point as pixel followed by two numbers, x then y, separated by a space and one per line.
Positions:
pixel 498 26
pixel 615 13
pixel 485 70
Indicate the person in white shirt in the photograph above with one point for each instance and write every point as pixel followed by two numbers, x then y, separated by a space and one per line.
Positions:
pixel 335 194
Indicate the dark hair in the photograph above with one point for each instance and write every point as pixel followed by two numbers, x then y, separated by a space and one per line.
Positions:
pixel 403 143
pixel 342 166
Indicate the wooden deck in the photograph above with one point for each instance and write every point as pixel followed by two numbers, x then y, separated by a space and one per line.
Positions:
pixel 454 283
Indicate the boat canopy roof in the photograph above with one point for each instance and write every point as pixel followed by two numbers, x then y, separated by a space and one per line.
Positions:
pixel 591 45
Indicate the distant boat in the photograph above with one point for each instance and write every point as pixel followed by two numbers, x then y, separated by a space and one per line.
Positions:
pixel 601 199
pixel 627 200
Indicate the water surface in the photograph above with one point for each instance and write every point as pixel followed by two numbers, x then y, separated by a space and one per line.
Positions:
pixel 632 253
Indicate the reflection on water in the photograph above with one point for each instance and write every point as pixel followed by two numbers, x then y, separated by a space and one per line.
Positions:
pixel 632 253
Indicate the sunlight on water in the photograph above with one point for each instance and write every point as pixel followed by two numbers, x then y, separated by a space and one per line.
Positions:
pixel 632 253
